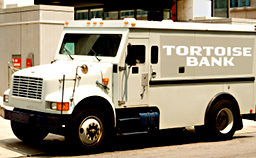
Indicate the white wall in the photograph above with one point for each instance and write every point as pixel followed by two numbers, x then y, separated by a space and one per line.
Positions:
pixel 31 29
pixel 15 3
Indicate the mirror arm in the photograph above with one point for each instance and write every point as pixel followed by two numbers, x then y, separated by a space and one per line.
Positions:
pixel 122 68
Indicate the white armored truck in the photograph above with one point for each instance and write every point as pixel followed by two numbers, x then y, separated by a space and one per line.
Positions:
pixel 127 76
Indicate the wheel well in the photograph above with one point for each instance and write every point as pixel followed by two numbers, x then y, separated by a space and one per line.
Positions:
pixel 98 103
pixel 222 96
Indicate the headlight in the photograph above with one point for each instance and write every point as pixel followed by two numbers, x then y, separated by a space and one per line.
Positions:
pixel 53 106
pixel 6 98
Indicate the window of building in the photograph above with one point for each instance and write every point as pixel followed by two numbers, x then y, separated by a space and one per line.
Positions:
pixel 127 14
pixel 96 13
pixel 82 14
pixel 111 15
pixel 221 8
pixel 240 3
pixel 142 14
pixel 167 14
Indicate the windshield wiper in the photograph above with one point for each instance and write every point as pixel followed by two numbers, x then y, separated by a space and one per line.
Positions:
pixel 68 53
pixel 95 54
pixel 70 57
pixel 65 50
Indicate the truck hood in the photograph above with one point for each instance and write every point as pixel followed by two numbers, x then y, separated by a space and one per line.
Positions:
pixel 52 75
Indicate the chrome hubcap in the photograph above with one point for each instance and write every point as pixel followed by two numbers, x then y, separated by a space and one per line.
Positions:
pixel 225 120
pixel 90 131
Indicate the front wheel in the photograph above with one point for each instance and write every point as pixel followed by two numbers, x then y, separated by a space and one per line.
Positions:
pixel 89 130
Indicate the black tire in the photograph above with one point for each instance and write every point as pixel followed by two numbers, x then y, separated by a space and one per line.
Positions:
pixel 222 120
pixel 89 131
pixel 28 133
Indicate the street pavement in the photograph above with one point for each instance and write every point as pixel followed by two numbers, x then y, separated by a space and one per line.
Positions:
pixel 10 146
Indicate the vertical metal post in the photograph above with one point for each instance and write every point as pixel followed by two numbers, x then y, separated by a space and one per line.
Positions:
pixel 176 11
pixel 62 98
pixel 89 14
pixel 135 13
pixel 212 11
pixel 228 9
pixel 119 14
pixel 8 75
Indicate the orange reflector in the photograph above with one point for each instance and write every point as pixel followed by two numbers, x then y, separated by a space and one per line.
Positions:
pixel 126 22
pixel 105 81
pixel 66 23
pixel 101 23
pixel 84 68
pixel 88 23
pixel 94 23
pixel 65 106
pixel 133 24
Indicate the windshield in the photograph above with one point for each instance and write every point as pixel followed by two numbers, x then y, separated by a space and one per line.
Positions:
pixel 91 44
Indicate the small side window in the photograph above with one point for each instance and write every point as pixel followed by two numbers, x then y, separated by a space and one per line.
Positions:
pixel 154 54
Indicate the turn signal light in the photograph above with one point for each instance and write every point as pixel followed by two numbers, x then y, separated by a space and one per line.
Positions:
pixel 105 81
pixel 6 98
pixel 65 106
pixel 66 23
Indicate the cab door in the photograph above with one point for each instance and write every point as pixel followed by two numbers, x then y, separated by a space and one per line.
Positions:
pixel 134 79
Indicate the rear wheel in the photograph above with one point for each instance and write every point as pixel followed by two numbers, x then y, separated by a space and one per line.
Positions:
pixel 225 120
pixel 222 120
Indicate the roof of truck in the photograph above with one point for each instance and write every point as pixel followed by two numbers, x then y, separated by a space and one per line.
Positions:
pixel 165 24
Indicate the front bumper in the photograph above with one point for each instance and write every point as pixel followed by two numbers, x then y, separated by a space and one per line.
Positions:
pixel 34 118
pixel 249 116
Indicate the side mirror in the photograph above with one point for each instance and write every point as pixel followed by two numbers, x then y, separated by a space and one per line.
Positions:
pixel 131 55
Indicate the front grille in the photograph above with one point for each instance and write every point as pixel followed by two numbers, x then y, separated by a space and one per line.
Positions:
pixel 27 87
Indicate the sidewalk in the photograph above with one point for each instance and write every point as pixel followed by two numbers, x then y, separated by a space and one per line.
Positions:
pixel 249 127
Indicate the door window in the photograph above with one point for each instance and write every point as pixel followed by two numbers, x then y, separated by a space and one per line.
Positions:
pixel 139 52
